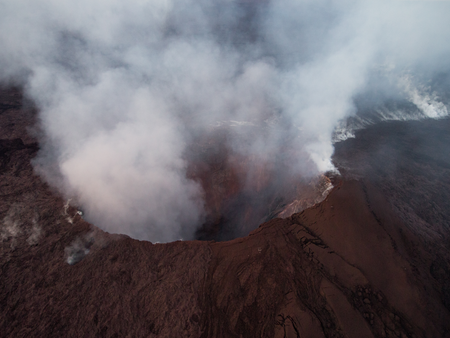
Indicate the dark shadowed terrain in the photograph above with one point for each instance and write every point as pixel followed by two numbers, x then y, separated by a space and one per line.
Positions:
pixel 372 260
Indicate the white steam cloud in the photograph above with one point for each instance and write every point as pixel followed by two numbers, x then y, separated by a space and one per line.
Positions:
pixel 124 86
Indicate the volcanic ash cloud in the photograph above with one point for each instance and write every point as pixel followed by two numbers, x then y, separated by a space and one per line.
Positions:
pixel 123 87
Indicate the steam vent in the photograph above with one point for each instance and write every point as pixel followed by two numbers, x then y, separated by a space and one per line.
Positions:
pixel 209 169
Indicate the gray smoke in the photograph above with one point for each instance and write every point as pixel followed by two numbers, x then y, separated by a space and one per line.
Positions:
pixel 124 86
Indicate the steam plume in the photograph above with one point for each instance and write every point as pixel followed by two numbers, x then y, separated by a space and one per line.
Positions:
pixel 123 87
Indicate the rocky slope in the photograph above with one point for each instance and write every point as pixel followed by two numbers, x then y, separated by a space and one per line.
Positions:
pixel 356 265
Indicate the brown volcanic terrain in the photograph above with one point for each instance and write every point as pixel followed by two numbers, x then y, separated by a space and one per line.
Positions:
pixel 366 262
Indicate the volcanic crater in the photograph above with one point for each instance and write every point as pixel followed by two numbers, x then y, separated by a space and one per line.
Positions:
pixel 370 260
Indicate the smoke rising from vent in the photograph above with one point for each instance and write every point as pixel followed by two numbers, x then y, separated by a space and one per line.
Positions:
pixel 125 87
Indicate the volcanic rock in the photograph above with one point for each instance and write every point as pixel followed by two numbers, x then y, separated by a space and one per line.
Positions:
pixel 368 261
